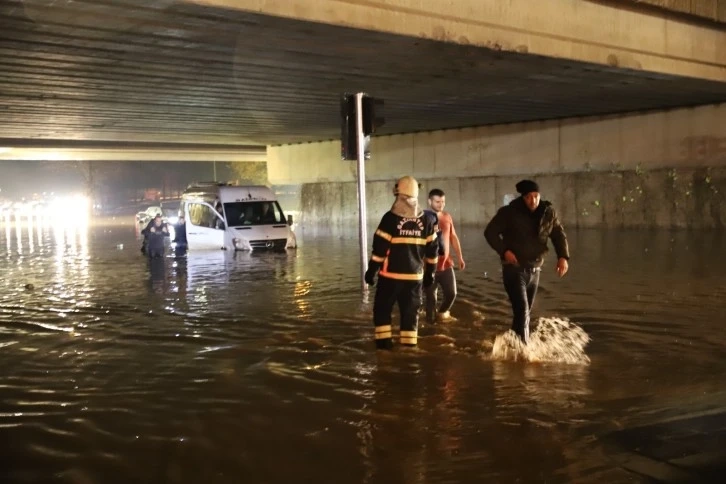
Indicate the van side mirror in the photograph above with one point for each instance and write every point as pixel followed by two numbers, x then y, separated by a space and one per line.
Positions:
pixel 289 219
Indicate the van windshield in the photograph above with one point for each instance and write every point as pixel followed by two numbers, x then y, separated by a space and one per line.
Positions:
pixel 253 213
pixel 170 208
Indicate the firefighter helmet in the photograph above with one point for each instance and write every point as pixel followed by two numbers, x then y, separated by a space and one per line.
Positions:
pixel 407 186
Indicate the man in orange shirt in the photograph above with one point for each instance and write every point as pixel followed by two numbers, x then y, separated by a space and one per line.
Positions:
pixel 445 268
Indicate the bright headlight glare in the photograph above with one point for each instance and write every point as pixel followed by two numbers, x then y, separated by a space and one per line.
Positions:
pixel 70 209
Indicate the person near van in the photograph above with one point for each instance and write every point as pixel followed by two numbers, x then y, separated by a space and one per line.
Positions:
pixel 156 233
pixel 180 234
pixel 268 214
pixel 219 221
pixel 518 233
pixel 145 232
pixel 445 276
pixel 404 256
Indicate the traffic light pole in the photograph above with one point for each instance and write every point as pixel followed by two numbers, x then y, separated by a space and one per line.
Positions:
pixel 362 217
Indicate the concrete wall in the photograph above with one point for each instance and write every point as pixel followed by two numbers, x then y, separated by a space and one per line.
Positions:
pixel 661 169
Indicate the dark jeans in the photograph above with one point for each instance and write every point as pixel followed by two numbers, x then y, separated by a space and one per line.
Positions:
pixel 180 248
pixel 408 296
pixel 447 280
pixel 521 286
pixel 155 245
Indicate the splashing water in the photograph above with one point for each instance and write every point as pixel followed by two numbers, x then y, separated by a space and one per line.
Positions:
pixel 554 340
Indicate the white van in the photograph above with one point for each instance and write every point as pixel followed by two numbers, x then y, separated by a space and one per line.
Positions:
pixel 232 217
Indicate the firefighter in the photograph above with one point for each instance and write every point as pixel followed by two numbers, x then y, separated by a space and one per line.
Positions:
pixel 405 253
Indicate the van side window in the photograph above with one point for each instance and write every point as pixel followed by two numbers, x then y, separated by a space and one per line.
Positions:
pixel 196 214
pixel 203 216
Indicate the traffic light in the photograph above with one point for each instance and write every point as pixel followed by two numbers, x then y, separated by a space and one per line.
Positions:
pixel 348 145
pixel 372 119
pixel 372 114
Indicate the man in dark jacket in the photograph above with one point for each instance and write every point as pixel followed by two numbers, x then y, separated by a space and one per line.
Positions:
pixel 145 232
pixel 180 234
pixel 519 233
pixel 155 233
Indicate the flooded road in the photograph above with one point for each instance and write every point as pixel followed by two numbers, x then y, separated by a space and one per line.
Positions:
pixel 260 368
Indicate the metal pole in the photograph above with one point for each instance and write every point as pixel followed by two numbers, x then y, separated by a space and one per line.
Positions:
pixel 214 169
pixel 362 232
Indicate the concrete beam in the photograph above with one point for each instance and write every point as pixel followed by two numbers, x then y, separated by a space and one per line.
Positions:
pixel 46 154
pixel 712 10
pixel 570 29
pixel 17 151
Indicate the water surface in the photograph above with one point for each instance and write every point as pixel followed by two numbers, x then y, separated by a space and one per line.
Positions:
pixel 236 367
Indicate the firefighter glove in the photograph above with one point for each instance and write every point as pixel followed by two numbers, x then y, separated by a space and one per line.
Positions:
pixel 370 276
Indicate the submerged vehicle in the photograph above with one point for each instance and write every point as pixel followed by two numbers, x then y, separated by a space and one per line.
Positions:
pixel 170 210
pixel 233 217
pixel 145 216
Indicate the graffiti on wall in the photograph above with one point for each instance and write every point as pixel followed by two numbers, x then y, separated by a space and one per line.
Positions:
pixel 703 148
pixel 478 148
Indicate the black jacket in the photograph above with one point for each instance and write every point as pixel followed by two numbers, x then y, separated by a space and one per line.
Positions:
pixel 180 233
pixel 405 247
pixel 155 240
pixel 525 233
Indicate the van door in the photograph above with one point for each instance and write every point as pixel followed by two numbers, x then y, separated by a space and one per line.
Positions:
pixel 205 226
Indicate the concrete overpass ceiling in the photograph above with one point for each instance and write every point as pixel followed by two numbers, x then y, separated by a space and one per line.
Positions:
pixel 163 71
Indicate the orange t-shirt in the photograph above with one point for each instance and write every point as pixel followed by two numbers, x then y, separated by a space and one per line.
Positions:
pixel 446 225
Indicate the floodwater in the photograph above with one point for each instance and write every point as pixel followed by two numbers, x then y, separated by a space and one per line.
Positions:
pixel 260 368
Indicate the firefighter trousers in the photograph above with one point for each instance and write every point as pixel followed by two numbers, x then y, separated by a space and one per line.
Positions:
pixel 408 296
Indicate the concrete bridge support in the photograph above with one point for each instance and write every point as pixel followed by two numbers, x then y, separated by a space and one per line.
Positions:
pixel 661 169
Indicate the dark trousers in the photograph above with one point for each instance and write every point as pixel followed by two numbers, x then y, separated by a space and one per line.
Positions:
pixel 447 280
pixel 155 245
pixel 521 286
pixel 408 296
pixel 180 248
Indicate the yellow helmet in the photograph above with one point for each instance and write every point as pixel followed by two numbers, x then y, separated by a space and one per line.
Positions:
pixel 407 186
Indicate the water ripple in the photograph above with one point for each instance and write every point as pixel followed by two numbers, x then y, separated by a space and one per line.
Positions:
pixel 214 366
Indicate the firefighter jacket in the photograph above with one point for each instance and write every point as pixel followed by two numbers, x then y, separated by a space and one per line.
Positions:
pixel 405 247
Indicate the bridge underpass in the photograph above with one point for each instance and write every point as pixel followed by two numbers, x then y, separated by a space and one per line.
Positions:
pixel 228 75
pixel 617 112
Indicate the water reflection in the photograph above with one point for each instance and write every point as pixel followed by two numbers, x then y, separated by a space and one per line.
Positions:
pixel 18 237
pixel 549 390
pixel 208 366
pixel 8 240
pixel 300 295
pixel 158 276
pixel 72 261
pixel 31 236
